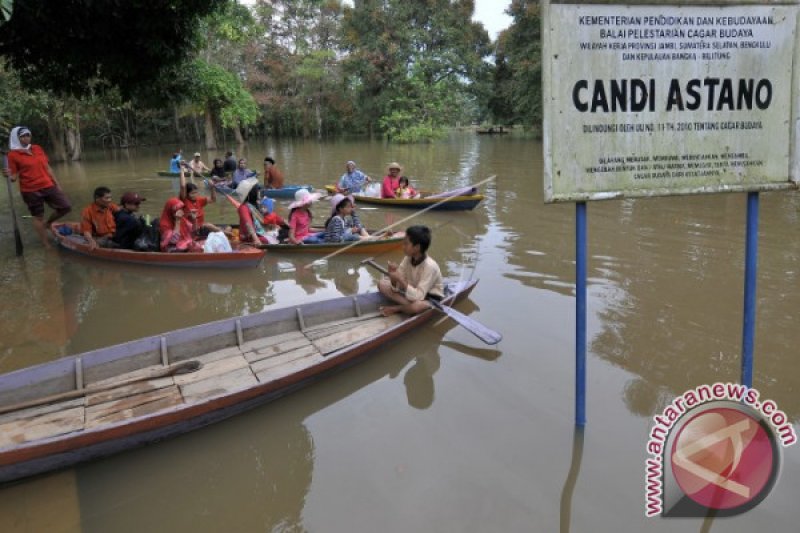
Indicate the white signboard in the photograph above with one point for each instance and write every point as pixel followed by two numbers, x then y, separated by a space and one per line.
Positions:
pixel 660 100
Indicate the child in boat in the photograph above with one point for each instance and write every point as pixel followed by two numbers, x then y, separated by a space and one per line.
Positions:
pixel 416 279
pixel 343 225
pixel 194 204
pixel 405 191
pixel 300 219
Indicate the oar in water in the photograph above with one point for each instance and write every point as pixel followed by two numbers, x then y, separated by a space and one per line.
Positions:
pixel 17 236
pixel 489 336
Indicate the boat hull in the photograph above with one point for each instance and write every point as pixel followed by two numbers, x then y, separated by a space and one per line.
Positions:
pixel 59 451
pixel 453 203
pixel 245 257
pixel 372 247
pixel 287 192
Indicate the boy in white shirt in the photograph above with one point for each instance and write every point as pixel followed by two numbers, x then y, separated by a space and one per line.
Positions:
pixel 416 278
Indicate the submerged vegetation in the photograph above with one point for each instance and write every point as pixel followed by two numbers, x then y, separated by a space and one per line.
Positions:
pixel 119 74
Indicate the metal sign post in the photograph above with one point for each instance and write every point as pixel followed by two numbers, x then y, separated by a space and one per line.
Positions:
pixel 644 100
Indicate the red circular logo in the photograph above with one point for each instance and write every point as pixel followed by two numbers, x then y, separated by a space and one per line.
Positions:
pixel 723 458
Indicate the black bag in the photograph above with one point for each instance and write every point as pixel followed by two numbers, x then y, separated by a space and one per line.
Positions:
pixel 283 233
pixel 148 241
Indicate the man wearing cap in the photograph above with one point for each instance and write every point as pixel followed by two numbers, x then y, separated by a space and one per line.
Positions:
pixel 97 220
pixel 273 178
pixel 28 163
pixel 198 166
pixel 129 226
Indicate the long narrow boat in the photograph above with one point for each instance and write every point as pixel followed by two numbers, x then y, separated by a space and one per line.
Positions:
pixel 373 246
pixel 242 257
pixel 452 203
pixel 98 403
pixel 286 192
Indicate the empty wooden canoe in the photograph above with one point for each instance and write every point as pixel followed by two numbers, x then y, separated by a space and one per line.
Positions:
pixel 98 403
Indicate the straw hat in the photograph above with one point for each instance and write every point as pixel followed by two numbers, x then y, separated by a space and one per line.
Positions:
pixel 395 165
pixel 303 198
pixel 244 188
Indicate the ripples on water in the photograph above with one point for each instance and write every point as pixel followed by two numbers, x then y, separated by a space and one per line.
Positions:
pixel 665 305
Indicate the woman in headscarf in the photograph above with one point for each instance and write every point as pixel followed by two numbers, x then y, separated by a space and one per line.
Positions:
pixel 28 163
pixel 176 230
pixel 256 226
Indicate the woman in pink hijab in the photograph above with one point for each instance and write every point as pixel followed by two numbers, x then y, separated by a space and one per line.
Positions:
pixel 176 230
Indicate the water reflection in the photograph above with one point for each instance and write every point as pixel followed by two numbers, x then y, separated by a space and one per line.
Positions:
pixel 572 479
pixel 256 469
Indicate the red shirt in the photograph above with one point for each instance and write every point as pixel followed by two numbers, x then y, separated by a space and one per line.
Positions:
pixel 31 169
pixel 99 220
pixel 273 219
pixel 390 184
pixel 300 222
pixel 198 205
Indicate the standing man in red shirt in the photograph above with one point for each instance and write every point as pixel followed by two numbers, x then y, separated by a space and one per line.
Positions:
pixel 28 163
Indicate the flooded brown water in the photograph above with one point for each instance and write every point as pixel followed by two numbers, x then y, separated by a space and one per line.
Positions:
pixel 436 432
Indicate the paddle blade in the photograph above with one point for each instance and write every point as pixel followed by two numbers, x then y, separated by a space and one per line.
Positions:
pixel 489 336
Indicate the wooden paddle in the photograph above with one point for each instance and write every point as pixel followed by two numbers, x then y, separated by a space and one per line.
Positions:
pixel 17 236
pixel 181 367
pixel 489 336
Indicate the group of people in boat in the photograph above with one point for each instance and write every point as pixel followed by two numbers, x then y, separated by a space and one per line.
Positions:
pixel 229 172
pixel 394 184
pixel 182 225
pixel 259 224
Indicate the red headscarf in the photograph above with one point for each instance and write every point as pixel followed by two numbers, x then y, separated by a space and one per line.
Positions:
pixel 167 225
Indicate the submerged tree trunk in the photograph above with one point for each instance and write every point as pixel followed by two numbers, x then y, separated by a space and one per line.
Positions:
pixel 237 132
pixel 74 137
pixel 211 135
pixel 318 112
pixel 178 135
pixel 56 132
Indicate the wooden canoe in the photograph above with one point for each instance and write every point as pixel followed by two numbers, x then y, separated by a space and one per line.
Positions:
pixel 243 257
pixel 453 203
pixel 102 402
pixel 374 246
pixel 286 192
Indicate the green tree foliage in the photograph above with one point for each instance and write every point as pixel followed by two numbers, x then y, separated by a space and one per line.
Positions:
pixel 6 9
pixel 522 44
pixel 296 73
pixel 63 45
pixel 414 62
pixel 222 94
